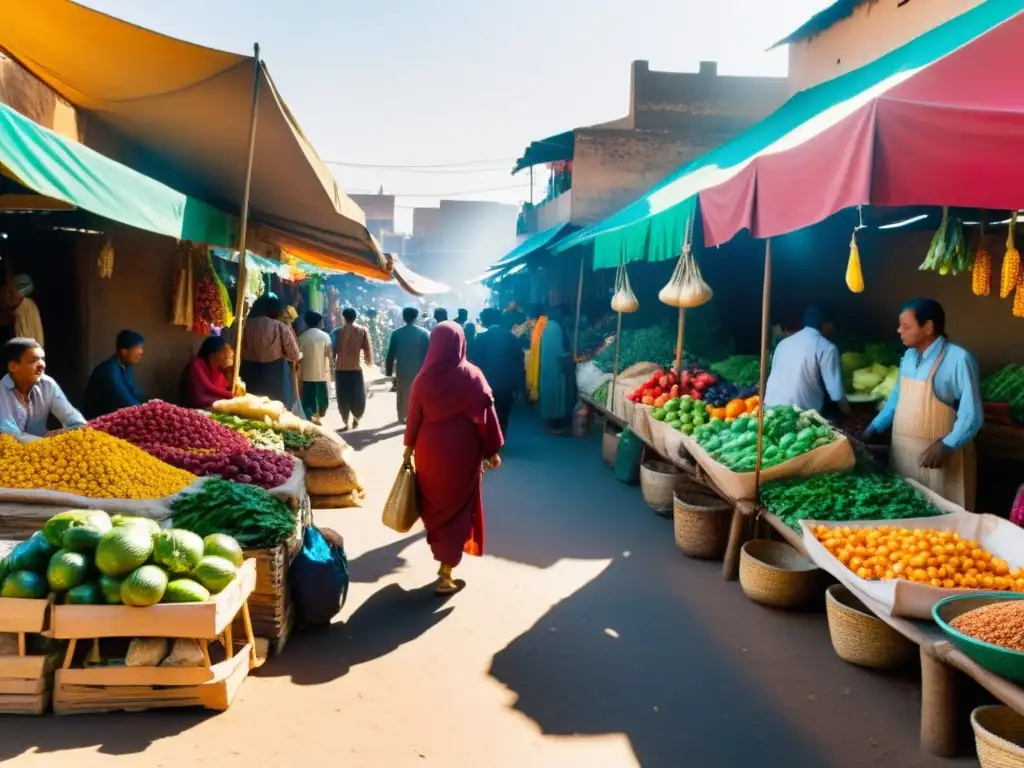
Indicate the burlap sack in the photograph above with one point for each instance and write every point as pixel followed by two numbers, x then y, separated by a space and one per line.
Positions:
pixel 332 482
pixel 339 501
pixel 324 453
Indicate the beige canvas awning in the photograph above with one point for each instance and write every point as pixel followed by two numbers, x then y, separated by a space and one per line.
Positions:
pixel 179 113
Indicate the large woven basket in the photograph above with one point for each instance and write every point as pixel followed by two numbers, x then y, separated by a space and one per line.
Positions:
pixel 861 638
pixel 773 573
pixel 701 520
pixel 609 447
pixel 998 737
pixel 657 484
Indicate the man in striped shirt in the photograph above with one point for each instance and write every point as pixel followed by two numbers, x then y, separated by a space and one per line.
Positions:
pixel 352 342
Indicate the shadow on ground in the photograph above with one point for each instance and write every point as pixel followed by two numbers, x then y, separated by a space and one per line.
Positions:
pixel 120 733
pixel 380 563
pixel 661 649
pixel 363 437
pixel 389 619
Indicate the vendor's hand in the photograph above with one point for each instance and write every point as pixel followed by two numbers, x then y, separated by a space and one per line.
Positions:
pixel 936 455
pixel 408 453
pixel 492 463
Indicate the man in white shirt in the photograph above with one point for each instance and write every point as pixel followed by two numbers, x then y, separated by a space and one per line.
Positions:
pixel 28 397
pixel 806 366
pixel 315 367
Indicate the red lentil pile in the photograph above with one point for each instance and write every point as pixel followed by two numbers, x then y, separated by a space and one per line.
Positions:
pixel 1001 624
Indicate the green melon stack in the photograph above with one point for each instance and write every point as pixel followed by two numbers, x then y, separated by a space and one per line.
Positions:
pixel 86 557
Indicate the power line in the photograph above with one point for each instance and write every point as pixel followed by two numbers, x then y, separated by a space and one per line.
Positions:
pixel 388 166
pixel 439 171
pixel 442 194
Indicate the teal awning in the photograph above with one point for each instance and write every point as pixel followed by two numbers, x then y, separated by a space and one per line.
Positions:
pixel 553 149
pixel 532 244
pixel 652 228
pixel 60 168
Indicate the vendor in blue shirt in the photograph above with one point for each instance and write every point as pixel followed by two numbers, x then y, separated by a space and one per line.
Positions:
pixel 805 367
pixel 935 410
pixel 28 397
pixel 112 384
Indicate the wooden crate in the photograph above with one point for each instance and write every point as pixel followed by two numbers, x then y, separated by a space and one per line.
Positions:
pixel 25 679
pixel 206 621
pixel 270 603
pixel 87 691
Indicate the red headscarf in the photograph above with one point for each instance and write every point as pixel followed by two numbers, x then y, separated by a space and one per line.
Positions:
pixel 448 384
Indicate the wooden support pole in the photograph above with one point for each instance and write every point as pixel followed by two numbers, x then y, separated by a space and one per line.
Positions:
pixel 766 301
pixel 69 655
pixel 250 638
pixel 938 706
pixel 229 642
pixel 615 365
pixel 579 306
pixel 679 341
pixel 244 219
pixel 731 561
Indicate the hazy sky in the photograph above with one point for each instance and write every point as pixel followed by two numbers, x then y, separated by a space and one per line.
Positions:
pixel 453 82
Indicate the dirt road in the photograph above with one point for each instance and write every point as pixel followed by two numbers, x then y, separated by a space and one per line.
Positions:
pixel 583 638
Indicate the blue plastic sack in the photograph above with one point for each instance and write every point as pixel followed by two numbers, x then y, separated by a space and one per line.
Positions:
pixel 319 578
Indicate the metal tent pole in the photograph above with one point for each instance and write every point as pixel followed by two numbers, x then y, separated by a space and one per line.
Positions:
pixel 244 218
pixel 579 305
pixel 766 300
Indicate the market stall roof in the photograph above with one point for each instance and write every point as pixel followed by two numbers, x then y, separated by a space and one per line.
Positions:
pixel 938 121
pixel 64 170
pixel 187 108
pixel 819 22
pixel 550 150
pixel 532 244
pixel 415 283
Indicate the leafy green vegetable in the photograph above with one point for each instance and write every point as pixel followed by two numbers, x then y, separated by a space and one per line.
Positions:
pixel 861 494
pixel 742 370
pixel 255 518
pixel 600 395
pixel 272 437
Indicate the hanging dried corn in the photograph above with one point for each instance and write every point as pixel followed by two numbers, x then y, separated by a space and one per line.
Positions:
pixel 1018 298
pixel 624 300
pixel 948 252
pixel 854 276
pixel 106 260
pixel 981 270
pixel 1010 273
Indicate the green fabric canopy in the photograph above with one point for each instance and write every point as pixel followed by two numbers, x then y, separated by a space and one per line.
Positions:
pixel 652 228
pixel 550 150
pixel 535 242
pixel 60 168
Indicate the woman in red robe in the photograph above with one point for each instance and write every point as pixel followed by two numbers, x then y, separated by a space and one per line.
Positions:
pixel 453 431
pixel 205 379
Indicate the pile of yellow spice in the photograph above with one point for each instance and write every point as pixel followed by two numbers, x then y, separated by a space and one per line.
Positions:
pixel 88 463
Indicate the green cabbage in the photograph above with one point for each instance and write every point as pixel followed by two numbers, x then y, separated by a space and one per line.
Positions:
pixel 887 385
pixel 866 379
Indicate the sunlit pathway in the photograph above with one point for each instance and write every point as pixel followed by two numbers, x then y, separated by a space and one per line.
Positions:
pixel 583 639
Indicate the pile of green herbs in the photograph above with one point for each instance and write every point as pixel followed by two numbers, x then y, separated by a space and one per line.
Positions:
pixel 254 517
pixel 291 439
pixel 861 494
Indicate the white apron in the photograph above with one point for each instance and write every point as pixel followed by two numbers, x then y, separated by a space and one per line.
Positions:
pixel 920 420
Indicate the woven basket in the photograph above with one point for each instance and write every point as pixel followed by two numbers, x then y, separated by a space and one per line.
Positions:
pixel 998 737
pixel 860 637
pixel 773 573
pixel 657 484
pixel 702 520
pixel 609 447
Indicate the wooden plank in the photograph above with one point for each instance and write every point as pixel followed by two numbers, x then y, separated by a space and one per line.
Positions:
pixel 192 620
pixel 20 687
pixel 218 694
pixel 23 615
pixel 145 676
pixel 31 704
pixel 26 667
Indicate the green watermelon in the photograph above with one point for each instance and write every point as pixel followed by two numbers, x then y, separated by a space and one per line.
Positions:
pixel 144 586
pixel 186 591
pixel 128 521
pixel 222 545
pixel 123 549
pixel 84 594
pixel 67 569
pixel 62 522
pixel 25 585
pixel 82 539
pixel 111 589
pixel 214 573
pixel 33 554
pixel 179 551
pixel 5 567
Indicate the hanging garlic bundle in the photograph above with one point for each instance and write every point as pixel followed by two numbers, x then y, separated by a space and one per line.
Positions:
pixel 686 288
pixel 854 275
pixel 106 260
pixel 624 299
